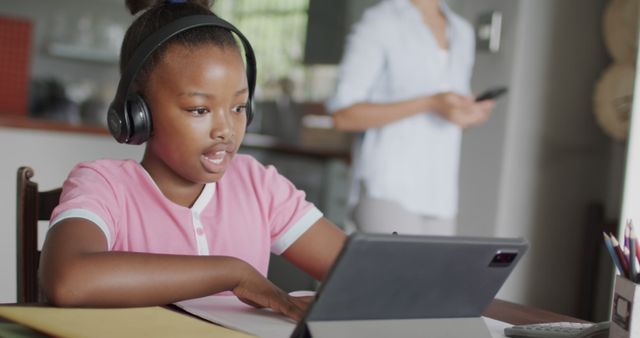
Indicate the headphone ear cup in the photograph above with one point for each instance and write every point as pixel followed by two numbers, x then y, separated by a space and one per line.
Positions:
pixel 118 125
pixel 139 118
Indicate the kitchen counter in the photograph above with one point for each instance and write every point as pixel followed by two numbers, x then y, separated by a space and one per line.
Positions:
pixel 251 140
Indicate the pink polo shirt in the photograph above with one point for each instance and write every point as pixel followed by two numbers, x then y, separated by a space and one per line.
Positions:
pixel 251 211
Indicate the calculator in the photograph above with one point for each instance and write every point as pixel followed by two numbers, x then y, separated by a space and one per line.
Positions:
pixel 559 330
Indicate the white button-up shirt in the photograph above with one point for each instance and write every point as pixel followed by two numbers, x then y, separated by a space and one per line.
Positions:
pixel 391 55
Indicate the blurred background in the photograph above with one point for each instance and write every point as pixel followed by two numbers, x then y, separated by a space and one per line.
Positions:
pixel 548 166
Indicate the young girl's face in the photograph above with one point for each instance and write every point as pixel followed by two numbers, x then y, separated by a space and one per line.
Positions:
pixel 197 96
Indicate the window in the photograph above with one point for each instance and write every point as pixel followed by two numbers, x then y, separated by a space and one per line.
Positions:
pixel 276 30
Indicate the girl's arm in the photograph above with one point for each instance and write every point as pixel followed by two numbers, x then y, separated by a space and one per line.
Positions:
pixel 76 270
pixel 458 109
pixel 316 250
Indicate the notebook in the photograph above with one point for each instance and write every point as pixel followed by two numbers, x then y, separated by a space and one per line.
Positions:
pixel 386 277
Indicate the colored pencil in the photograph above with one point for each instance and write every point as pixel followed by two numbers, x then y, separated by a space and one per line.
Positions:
pixel 626 235
pixel 633 267
pixel 612 253
pixel 621 257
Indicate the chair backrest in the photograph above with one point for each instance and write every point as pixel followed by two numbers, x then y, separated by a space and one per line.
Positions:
pixel 32 206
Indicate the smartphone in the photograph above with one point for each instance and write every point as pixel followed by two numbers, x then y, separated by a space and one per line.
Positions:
pixel 492 94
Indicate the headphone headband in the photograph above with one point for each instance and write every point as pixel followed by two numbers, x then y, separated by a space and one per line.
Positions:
pixel 118 106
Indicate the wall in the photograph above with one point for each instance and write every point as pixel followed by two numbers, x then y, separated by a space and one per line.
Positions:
pixel 534 167
pixel 481 156
pixel 555 159
pixel 51 155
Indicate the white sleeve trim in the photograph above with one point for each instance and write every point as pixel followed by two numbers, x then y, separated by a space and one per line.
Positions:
pixel 294 232
pixel 88 215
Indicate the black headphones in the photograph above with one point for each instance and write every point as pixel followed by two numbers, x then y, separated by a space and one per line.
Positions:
pixel 129 118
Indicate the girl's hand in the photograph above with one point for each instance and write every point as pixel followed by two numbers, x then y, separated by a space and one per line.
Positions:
pixel 255 290
pixel 462 110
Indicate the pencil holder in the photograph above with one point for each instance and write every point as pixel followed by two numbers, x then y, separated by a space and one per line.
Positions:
pixel 625 318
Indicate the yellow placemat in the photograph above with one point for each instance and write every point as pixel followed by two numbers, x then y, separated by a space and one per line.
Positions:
pixel 123 323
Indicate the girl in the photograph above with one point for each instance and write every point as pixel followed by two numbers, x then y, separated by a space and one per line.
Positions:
pixel 192 218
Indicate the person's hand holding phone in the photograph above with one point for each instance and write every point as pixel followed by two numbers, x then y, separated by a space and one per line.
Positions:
pixel 462 110
pixel 491 94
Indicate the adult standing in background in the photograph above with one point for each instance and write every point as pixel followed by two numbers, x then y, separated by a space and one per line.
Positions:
pixel 404 81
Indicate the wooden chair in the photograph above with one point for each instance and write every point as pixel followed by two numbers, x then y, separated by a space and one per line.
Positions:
pixel 32 206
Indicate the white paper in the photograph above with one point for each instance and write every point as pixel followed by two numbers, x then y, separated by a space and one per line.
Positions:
pixel 230 312
pixel 496 327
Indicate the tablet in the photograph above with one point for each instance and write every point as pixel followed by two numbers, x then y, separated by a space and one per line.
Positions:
pixel 379 276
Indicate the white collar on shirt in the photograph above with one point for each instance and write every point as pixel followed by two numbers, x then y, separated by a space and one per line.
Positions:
pixel 407 7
